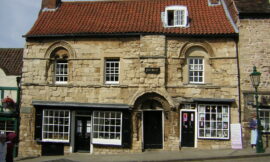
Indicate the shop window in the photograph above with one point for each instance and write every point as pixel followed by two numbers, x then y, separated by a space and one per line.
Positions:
pixel 56 125
pixel 176 16
pixel 213 121
pixel 196 70
pixel 107 127
pixel 112 71
pixel 265 120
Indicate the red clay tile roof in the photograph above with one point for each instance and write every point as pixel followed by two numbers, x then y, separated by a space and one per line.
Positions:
pixel 11 60
pixel 120 17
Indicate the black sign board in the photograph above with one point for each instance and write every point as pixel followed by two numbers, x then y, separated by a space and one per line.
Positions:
pixel 152 70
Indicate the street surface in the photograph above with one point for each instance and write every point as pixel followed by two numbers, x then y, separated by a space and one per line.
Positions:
pixel 255 159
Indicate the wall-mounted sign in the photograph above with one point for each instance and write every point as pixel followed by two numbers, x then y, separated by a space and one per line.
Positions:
pixel 152 70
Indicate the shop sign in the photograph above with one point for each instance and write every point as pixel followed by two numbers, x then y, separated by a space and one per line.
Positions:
pixel 236 135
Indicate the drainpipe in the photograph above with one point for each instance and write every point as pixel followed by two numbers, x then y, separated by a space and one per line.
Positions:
pixel 238 80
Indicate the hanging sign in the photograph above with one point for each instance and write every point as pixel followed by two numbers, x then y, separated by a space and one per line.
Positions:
pixel 236 136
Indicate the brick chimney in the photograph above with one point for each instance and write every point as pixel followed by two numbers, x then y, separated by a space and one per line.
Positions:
pixel 50 4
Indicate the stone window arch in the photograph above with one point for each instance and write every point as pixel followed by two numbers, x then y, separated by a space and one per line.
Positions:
pixel 58 66
pixel 196 64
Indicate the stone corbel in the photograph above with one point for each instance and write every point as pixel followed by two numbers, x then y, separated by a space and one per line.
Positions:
pixel 210 61
pixel 182 61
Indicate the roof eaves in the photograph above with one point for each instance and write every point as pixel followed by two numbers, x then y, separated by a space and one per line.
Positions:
pixel 133 34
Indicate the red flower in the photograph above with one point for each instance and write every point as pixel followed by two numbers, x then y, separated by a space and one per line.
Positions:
pixel 8 100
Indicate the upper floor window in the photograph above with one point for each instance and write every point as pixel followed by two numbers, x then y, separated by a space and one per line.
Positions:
pixel 196 70
pixel 61 71
pixel 112 71
pixel 60 63
pixel 176 16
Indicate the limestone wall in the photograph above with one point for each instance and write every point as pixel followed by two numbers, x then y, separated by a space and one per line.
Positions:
pixel 86 79
pixel 254 49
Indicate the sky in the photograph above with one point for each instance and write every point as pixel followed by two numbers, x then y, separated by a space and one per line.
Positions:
pixel 16 19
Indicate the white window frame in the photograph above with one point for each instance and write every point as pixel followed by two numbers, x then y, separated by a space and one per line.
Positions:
pixel 198 70
pixel 264 118
pixel 224 122
pixel 115 70
pixel 180 16
pixel 100 116
pixel 4 129
pixel 63 74
pixel 55 118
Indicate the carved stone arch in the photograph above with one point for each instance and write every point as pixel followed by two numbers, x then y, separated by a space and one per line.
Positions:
pixel 60 45
pixel 204 45
pixel 140 98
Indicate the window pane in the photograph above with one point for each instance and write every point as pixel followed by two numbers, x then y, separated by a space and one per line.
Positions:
pixel 61 72
pixel 112 71
pixel 55 125
pixel 195 70
pixel 107 124
pixel 213 121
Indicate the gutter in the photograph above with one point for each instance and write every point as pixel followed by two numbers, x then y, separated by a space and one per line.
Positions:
pixel 103 35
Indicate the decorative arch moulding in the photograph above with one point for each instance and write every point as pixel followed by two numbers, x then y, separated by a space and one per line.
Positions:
pixel 61 44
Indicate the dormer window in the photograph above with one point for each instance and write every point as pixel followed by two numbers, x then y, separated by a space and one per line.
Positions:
pixel 176 16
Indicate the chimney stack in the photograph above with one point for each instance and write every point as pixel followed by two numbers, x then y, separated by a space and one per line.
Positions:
pixel 50 4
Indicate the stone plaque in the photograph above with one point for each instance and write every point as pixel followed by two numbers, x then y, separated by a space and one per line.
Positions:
pixel 152 70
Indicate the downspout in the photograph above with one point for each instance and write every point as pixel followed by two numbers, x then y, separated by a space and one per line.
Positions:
pixel 238 80
pixel 234 25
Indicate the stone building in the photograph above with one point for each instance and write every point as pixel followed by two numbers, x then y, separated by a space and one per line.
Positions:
pixel 253 21
pixel 10 74
pixel 127 76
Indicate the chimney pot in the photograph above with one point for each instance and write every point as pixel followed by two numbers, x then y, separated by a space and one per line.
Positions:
pixel 50 4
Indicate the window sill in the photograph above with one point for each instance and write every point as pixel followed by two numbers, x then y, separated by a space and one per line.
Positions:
pixel 107 142
pixel 52 141
pixel 213 138
pixel 177 26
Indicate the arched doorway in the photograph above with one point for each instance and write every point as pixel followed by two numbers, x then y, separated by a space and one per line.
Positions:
pixel 152 107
